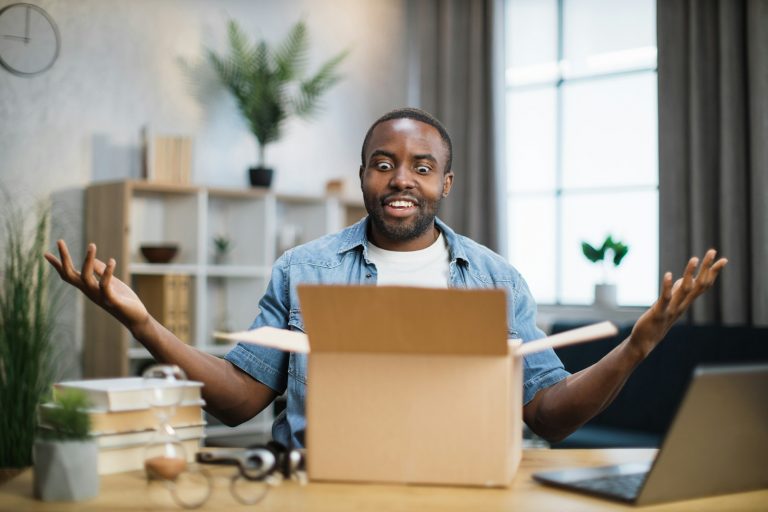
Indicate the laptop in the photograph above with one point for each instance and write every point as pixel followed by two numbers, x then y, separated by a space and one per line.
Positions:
pixel 717 444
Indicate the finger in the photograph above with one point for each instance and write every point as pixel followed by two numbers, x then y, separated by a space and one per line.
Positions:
pixel 683 287
pixel 666 291
pixel 86 274
pixel 106 280
pixel 67 269
pixel 703 277
pixel 54 261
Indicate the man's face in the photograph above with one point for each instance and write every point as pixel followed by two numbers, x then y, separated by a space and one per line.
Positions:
pixel 403 183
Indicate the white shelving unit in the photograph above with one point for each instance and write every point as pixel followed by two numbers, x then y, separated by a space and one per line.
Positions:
pixel 123 216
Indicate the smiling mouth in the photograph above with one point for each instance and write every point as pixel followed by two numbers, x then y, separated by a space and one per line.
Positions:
pixel 400 204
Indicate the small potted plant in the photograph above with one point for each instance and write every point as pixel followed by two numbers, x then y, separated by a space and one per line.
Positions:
pixel 269 85
pixel 222 245
pixel 610 254
pixel 65 455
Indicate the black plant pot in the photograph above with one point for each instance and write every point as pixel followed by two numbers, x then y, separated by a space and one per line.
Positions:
pixel 260 176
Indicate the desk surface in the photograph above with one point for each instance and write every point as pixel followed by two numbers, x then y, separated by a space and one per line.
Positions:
pixel 130 491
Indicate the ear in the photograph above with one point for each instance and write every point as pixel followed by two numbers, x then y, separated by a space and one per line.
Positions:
pixel 360 174
pixel 447 183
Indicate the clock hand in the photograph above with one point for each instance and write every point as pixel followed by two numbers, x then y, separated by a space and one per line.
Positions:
pixel 17 38
pixel 26 26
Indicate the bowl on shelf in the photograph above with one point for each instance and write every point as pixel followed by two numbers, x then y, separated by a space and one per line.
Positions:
pixel 159 253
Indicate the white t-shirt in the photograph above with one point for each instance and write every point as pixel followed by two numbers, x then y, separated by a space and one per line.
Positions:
pixel 426 267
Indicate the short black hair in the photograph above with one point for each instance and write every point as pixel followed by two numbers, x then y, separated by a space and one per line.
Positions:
pixel 417 115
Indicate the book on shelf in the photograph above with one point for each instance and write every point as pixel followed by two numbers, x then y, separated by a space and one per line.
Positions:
pixel 131 458
pixel 105 422
pixel 166 297
pixel 167 158
pixel 126 393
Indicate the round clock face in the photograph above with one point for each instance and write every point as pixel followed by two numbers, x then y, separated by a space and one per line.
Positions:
pixel 29 39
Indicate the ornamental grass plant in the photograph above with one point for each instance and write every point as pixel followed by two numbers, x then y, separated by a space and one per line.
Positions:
pixel 26 331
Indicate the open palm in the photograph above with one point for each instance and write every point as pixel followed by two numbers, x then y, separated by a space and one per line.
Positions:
pixel 96 280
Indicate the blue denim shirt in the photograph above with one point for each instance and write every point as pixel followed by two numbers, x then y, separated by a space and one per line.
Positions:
pixel 342 258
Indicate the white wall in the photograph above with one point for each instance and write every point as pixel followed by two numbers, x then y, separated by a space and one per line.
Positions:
pixel 119 69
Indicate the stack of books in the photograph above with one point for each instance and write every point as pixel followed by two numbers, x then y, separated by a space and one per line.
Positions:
pixel 167 158
pixel 123 423
pixel 166 297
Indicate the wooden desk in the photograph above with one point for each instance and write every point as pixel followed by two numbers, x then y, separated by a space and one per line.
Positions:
pixel 130 492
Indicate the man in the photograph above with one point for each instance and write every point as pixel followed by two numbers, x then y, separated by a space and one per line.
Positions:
pixel 404 175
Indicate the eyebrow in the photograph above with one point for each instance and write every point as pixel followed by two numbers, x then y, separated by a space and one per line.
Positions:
pixel 381 152
pixel 388 154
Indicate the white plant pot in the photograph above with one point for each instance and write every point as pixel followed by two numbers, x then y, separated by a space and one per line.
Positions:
pixel 65 470
pixel 605 295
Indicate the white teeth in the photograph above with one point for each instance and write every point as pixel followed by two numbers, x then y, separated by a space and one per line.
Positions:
pixel 401 204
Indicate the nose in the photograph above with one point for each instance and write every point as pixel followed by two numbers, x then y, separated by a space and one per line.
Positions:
pixel 401 178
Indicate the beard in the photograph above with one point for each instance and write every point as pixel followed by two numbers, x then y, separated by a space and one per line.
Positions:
pixel 402 230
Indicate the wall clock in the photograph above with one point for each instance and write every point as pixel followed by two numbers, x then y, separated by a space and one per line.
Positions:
pixel 29 39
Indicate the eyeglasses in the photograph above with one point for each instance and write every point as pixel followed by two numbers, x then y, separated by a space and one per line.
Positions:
pixel 258 469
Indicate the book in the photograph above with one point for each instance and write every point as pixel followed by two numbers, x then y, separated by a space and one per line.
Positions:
pixel 143 436
pixel 131 458
pixel 107 422
pixel 166 297
pixel 127 393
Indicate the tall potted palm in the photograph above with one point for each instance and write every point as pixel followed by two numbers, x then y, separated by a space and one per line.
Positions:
pixel 270 86
pixel 26 334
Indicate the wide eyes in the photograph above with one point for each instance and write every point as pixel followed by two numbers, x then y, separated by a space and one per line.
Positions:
pixel 388 166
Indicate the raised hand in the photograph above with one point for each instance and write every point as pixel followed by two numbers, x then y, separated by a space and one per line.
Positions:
pixel 96 280
pixel 674 300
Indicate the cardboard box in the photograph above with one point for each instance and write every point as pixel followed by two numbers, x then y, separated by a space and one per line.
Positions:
pixel 411 385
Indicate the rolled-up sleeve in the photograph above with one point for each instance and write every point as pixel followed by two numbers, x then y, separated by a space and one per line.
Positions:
pixel 541 369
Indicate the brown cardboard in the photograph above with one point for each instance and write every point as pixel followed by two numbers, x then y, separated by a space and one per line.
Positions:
pixel 411 385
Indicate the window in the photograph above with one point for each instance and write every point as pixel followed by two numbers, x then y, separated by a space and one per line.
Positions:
pixel 581 128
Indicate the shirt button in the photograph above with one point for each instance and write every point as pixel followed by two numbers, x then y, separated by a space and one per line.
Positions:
pixel 367 276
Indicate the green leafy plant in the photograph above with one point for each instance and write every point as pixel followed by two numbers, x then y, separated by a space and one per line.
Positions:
pixel 269 83
pixel 68 419
pixel 611 251
pixel 26 332
pixel 222 243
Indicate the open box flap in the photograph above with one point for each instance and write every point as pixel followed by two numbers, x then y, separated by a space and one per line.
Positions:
pixel 572 337
pixel 408 320
pixel 405 320
pixel 281 339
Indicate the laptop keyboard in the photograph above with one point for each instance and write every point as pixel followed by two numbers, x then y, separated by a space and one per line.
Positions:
pixel 625 487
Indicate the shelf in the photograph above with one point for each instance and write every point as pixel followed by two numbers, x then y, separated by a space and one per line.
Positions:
pixel 155 269
pixel 122 216
pixel 238 271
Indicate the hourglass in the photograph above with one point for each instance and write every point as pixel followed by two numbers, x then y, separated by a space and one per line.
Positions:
pixel 164 456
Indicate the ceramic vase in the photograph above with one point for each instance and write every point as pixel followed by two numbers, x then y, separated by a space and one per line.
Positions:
pixel 605 295
pixel 65 470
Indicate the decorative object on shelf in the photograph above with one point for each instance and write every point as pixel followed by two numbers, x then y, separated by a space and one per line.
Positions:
pixel 160 253
pixel 27 333
pixel 65 455
pixel 222 246
pixel 29 40
pixel 288 236
pixel 270 87
pixel 605 292
pixel 167 158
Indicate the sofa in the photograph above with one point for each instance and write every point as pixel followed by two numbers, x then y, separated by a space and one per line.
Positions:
pixel 645 408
